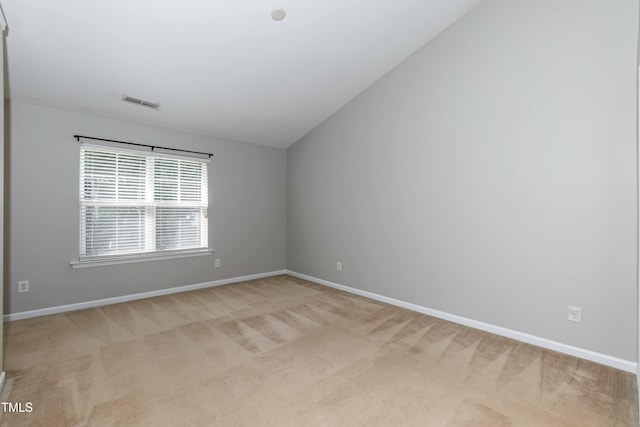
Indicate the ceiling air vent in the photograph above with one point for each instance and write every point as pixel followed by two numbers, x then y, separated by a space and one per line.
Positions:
pixel 141 102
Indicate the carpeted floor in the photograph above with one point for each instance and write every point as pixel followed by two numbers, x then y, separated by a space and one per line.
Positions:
pixel 285 352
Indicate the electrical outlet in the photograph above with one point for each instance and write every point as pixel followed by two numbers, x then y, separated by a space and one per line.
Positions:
pixel 218 263
pixel 23 286
pixel 339 266
pixel 575 314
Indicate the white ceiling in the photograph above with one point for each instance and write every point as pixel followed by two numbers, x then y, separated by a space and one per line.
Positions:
pixel 220 68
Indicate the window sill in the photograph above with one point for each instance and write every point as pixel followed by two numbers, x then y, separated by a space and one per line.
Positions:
pixel 138 258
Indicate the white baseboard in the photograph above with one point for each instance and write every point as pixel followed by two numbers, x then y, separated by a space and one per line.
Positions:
pixel 593 356
pixel 125 298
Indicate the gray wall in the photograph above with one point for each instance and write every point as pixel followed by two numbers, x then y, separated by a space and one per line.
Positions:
pixel 492 175
pixel 247 218
pixel 2 182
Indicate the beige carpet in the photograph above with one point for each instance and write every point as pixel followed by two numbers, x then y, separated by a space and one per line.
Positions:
pixel 285 352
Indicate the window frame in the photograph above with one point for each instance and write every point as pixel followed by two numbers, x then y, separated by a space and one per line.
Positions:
pixel 149 205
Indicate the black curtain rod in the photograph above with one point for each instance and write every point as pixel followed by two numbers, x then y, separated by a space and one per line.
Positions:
pixel 153 147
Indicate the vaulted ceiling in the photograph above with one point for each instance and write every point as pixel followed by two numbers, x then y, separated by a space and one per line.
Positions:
pixel 219 68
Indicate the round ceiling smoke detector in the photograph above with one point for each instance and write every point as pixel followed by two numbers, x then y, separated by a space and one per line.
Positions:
pixel 278 14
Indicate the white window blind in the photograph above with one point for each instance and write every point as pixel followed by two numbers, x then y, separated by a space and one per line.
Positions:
pixel 140 203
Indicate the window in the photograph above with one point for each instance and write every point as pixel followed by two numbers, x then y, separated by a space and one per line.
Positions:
pixel 136 203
